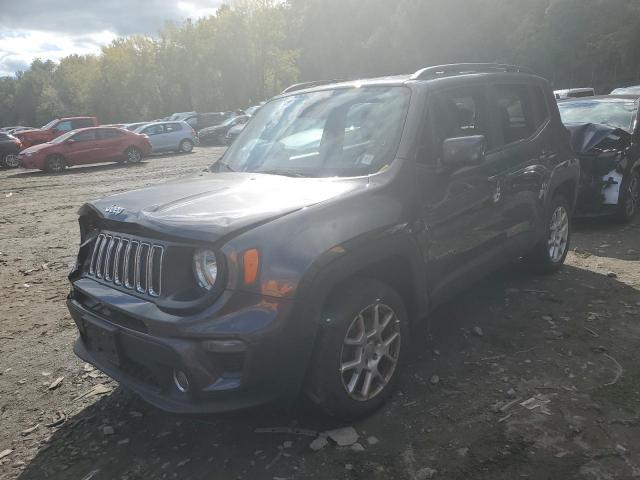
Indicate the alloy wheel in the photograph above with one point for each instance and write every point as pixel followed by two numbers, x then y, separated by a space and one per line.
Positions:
pixel 11 161
pixel 370 352
pixel 133 155
pixel 633 195
pixel 558 234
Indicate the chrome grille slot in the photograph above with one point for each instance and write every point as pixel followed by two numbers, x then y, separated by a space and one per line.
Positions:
pixel 128 262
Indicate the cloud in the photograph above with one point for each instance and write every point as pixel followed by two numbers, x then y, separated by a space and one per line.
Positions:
pixel 52 29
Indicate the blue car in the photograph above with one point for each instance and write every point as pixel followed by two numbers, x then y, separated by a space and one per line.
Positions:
pixel 169 136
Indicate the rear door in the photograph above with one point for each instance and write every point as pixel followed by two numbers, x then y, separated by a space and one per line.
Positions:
pixel 460 240
pixel 174 134
pixel 83 149
pixel 112 145
pixel 527 143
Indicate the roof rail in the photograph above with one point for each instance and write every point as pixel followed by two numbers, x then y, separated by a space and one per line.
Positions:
pixel 466 68
pixel 304 85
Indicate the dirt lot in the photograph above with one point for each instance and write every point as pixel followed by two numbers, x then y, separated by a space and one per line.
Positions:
pixel 567 344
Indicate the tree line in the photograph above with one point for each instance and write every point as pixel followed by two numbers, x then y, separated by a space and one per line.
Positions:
pixel 252 49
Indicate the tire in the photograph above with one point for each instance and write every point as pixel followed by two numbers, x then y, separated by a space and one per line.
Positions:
pixel 186 146
pixel 133 155
pixel 335 383
pixel 629 202
pixel 549 254
pixel 54 164
pixel 10 160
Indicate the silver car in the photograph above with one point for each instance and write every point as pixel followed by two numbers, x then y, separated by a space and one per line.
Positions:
pixel 169 136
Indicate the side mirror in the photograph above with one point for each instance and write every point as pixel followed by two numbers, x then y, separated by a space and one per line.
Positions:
pixel 464 151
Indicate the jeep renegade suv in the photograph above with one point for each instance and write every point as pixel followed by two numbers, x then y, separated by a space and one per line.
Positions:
pixel 340 217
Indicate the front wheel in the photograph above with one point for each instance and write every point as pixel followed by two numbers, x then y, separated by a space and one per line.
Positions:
pixel 629 198
pixel 186 146
pixel 549 255
pixel 10 160
pixel 133 155
pixel 357 358
pixel 54 164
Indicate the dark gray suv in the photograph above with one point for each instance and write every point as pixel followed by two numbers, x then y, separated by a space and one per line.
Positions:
pixel 341 216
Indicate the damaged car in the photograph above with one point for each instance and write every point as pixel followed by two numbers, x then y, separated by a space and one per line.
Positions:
pixel 337 221
pixel 604 136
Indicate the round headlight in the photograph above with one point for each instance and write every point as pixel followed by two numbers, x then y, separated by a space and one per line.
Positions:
pixel 205 267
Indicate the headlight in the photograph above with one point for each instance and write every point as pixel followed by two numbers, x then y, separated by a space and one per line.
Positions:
pixel 205 267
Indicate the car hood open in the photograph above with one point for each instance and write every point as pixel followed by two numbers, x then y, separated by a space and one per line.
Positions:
pixel 215 205
pixel 586 137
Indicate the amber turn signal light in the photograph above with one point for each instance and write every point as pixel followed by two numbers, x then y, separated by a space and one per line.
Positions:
pixel 251 263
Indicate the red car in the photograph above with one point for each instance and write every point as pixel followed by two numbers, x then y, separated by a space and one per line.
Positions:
pixel 54 129
pixel 84 146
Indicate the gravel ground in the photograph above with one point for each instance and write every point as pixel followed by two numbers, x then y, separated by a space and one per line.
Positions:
pixel 520 377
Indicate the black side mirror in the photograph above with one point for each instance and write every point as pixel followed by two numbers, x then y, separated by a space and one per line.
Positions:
pixel 464 151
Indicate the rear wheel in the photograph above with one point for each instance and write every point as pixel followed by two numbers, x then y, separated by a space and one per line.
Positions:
pixel 55 164
pixel 549 255
pixel 186 146
pixel 629 203
pixel 133 154
pixel 10 160
pixel 356 362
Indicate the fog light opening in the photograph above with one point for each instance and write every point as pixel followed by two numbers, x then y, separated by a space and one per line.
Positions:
pixel 181 381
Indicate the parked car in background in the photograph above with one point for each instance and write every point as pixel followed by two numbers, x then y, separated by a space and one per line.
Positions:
pixel 634 90
pixel 10 146
pixel 132 127
pixel 15 129
pixel 206 120
pixel 170 136
pixel 181 115
pixel 85 146
pixel 54 129
pixel 605 133
pixel 233 133
pixel 307 267
pixel 216 135
pixel 574 93
pixel 251 111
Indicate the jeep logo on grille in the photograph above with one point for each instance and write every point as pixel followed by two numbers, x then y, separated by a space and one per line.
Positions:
pixel 114 210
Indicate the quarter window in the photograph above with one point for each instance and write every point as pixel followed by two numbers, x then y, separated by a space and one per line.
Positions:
pixel 514 112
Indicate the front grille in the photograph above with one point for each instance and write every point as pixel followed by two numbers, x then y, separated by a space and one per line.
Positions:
pixel 132 263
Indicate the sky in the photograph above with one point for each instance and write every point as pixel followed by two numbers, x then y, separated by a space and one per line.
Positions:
pixel 52 29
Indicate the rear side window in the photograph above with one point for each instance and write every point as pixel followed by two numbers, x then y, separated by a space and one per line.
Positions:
pixel 110 133
pixel 172 127
pixel 514 112
pixel 459 112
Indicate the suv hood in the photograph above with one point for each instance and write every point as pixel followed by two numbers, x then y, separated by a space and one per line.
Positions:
pixel 219 204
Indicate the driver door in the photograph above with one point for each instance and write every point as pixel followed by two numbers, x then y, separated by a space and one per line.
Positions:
pixel 461 240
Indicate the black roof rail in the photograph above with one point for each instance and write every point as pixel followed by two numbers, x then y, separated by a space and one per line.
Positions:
pixel 466 68
pixel 304 85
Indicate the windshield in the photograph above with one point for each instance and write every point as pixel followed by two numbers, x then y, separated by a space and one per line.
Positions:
pixel 64 137
pixel 342 132
pixel 50 124
pixel 615 113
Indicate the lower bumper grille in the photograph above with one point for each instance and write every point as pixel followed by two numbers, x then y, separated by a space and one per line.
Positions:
pixel 129 262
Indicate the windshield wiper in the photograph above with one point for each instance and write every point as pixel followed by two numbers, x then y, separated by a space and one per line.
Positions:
pixel 286 173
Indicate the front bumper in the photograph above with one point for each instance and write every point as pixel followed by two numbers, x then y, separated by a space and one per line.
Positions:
pixel 230 364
